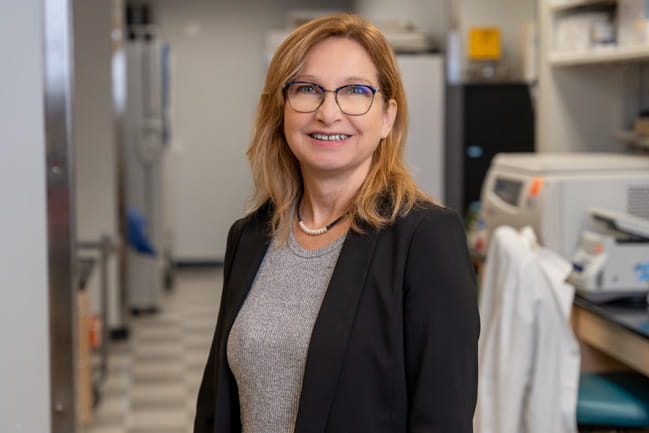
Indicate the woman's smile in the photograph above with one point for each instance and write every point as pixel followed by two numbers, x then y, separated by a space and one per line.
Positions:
pixel 329 139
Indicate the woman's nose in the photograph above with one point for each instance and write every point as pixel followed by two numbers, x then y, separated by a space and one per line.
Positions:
pixel 329 111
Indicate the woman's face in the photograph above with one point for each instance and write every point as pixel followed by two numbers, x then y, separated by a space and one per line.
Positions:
pixel 328 142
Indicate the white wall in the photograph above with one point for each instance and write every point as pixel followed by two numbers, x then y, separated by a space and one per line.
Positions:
pixel 94 140
pixel 217 74
pixel 24 318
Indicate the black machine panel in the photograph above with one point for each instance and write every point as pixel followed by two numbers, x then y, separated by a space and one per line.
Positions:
pixel 483 119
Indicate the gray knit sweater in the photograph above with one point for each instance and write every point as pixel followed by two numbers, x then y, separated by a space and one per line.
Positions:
pixel 267 346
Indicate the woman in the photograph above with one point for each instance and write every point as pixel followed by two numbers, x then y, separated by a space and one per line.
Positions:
pixel 348 302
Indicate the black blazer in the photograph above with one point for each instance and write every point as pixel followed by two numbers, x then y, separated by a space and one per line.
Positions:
pixel 394 347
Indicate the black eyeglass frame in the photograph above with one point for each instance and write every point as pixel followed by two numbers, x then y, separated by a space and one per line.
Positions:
pixel 373 89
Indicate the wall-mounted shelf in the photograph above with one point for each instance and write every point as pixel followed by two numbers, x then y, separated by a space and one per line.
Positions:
pixel 584 94
pixel 573 4
pixel 604 55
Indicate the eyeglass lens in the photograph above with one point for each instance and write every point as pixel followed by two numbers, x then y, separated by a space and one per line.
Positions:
pixel 352 100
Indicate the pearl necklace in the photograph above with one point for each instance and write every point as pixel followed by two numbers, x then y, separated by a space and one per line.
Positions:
pixel 315 232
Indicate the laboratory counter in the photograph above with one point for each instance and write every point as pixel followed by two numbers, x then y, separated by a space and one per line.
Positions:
pixel 619 329
pixel 630 314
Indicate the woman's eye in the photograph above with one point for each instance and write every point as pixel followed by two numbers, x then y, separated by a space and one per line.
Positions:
pixel 306 88
pixel 357 90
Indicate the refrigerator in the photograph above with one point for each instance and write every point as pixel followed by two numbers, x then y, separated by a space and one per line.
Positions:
pixel 423 80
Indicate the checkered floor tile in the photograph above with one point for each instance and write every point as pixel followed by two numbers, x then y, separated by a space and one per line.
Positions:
pixel 153 377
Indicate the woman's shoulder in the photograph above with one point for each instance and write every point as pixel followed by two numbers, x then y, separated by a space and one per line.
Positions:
pixel 429 212
pixel 430 226
pixel 257 219
pixel 428 220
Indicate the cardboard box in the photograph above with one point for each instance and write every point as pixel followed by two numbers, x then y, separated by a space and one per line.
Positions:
pixel 641 126
pixel 577 33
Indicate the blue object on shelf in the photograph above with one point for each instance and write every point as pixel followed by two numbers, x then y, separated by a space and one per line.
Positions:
pixel 137 234
pixel 614 400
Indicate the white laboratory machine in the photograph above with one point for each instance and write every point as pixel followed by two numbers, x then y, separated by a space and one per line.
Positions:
pixel 145 138
pixel 552 192
pixel 612 262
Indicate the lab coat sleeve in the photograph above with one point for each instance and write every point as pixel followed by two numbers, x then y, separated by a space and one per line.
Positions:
pixel 441 327
pixel 206 401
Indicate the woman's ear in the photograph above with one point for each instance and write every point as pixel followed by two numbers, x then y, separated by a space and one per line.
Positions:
pixel 389 114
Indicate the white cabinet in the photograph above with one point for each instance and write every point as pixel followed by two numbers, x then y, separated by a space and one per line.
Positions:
pixel 586 96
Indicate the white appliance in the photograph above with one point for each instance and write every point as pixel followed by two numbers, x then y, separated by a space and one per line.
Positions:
pixel 614 261
pixel 145 137
pixel 551 192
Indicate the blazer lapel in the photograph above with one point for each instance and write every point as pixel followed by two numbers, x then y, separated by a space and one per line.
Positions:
pixel 331 332
pixel 250 252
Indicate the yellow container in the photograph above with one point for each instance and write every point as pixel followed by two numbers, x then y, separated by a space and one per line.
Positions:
pixel 484 43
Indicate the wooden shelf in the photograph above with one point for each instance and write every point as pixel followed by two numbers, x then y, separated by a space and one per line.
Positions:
pixel 603 55
pixel 573 4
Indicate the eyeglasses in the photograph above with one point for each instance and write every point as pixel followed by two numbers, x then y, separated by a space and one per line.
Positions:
pixel 352 99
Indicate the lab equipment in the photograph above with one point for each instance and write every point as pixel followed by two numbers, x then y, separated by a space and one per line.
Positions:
pixel 551 192
pixel 614 262
pixel 145 142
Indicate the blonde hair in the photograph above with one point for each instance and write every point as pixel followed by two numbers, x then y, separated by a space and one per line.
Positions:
pixel 388 190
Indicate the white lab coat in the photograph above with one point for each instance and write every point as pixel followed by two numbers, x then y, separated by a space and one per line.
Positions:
pixel 528 355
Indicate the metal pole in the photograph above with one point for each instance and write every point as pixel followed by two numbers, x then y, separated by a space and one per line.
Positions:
pixel 119 112
pixel 61 214
pixel 106 249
